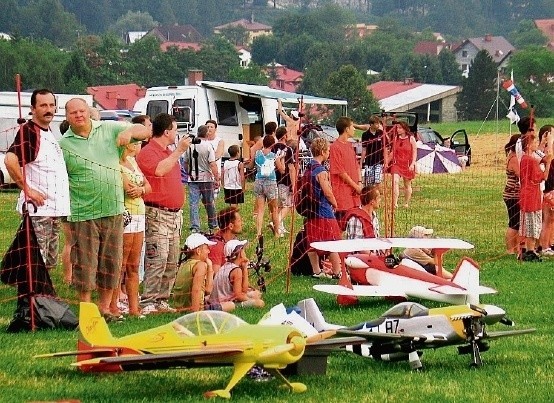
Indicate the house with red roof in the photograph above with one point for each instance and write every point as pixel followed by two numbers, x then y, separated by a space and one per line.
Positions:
pixel 252 28
pixel 283 78
pixel 432 102
pixel 432 48
pixel 547 28
pixel 122 96
pixel 497 46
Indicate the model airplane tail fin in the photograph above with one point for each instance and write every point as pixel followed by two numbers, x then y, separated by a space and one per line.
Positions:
pixel 310 311
pixel 92 326
pixel 467 276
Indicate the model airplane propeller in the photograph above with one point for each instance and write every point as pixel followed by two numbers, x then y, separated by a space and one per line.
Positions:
pixel 206 338
pixel 379 277
pixel 405 329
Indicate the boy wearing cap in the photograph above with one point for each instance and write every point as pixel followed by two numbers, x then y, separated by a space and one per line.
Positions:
pixel 422 256
pixel 194 280
pixel 231 280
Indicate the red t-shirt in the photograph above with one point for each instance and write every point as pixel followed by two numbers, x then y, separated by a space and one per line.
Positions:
pixel 530 177
pixel 217 255
pixel 343 159
pixel 167 190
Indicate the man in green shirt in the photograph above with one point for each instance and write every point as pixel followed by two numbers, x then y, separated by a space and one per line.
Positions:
pixel 91 153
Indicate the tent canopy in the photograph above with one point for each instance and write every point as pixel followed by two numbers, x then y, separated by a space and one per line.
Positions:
pixel 263 91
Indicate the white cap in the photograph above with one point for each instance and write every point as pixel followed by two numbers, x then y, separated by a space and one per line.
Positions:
pixel 295 114
pixel 419 232
pixel 195 240
pixel 233 246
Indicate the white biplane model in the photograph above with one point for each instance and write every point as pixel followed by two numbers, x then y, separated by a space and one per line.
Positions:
pixel 378 276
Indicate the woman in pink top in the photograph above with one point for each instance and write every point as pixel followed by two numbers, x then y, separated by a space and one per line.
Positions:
pixel 403 160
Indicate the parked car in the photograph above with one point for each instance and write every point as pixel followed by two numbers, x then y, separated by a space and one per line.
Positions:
pixel 5 178
pixel 458 141
pixel 118 114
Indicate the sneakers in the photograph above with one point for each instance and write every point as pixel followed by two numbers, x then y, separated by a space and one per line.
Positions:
pixel 111 318
pixel 163 306
pixel 321 274
pixel 148 309
pixel 123 307
pixel 531 256
pixel 547 252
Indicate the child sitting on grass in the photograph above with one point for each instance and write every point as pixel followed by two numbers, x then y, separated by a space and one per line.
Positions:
pixel 231 280
pixel 194 280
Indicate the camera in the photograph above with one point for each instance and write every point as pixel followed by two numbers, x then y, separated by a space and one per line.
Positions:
pixel 195 140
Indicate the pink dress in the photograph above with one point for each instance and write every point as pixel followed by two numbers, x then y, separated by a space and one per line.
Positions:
pixel 402 154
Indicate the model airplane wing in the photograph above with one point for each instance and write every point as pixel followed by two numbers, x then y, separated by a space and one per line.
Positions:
pixel 336 342
pixel 77 352
pixel 359 290
pixel 377 336
pixel 352 245
pixel 159 358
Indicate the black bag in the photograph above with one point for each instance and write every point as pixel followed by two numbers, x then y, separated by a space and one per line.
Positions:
pixel 305 201
pixel 49 313
pixel 299 261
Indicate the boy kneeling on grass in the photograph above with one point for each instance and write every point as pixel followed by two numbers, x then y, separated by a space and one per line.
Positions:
pixel 231 280
pixel 194 281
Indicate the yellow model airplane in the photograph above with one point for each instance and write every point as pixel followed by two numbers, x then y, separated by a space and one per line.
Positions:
pixel 206 338
pixel 406 328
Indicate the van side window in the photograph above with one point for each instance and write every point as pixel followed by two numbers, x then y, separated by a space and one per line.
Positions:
pixel 154 108
pixel 183 110
pixel 226 113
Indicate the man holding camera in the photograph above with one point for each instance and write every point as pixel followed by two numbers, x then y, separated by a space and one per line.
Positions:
pixel 200 163
pixel 164 217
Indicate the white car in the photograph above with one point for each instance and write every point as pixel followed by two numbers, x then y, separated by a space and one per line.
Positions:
pixel 5 178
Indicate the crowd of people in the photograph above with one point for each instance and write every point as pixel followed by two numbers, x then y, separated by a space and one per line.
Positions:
pixel 117 189
pixel 529 191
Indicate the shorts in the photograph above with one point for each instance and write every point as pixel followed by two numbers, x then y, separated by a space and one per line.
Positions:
pixel 47 231
pixel 531 224
pixel 266 188
pixel 137 224
pixel 96 253
pixel 284 196
pixel 322 229
pixel 512 205
pixel 234 196
pixel 373 174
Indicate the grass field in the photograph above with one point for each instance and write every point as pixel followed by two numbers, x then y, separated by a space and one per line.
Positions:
pixel 468 206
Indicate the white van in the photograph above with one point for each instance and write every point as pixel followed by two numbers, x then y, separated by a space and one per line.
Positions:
pixel 241 110
pixel 9 113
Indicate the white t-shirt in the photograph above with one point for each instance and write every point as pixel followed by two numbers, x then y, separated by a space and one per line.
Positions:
pixel 48 175
pixel 215 143
pixel 231 175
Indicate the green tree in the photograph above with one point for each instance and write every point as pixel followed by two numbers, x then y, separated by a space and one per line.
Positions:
pixel 527 34
pixel 217 57
pixel 144 59
pixel 60 27
pixel 348 83
pixel 237 35
pixel 478 89
pixel 132 21
pixel 450 71
pixel 264 49
pixel 76 74
pixel 533 69
pixel 253 74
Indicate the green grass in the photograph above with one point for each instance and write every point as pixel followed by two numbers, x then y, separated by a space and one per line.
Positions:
pixel 467 206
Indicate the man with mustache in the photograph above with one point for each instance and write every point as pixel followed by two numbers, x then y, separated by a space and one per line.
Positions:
pixel 45 183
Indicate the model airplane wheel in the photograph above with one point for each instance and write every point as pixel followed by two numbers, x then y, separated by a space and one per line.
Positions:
pixel 296 387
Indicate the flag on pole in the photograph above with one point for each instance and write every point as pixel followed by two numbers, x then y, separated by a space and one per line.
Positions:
pixel 514 96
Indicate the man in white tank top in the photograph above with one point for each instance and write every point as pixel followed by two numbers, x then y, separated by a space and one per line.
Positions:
pixel 219 146
pixel 45 183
